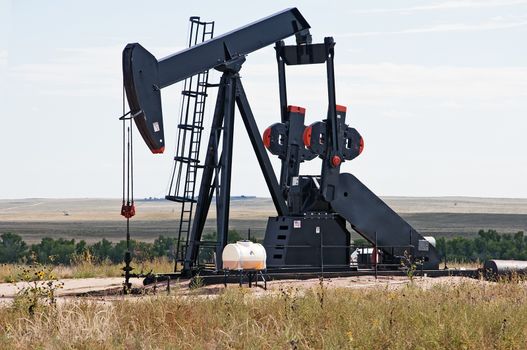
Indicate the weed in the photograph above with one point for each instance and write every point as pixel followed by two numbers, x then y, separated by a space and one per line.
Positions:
pixel 409 265
pixel 39 287
pixel 321 292
pixel 196 282
pixel 84 266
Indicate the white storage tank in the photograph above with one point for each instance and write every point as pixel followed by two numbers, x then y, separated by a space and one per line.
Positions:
pixel 244 255
pixel 431 240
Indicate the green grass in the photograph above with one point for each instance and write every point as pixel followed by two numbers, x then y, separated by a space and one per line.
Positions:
pixel 472 315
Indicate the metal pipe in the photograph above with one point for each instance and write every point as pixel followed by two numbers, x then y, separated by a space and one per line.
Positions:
pixel 495 268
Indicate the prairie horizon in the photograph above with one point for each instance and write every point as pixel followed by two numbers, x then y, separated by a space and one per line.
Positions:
pixel 93 219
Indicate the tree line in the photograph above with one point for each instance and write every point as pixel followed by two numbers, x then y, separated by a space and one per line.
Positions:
pixel 13 249
pixel 488 244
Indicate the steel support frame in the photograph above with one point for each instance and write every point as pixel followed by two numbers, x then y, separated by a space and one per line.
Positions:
pixel 217 171
pixel 330 172
pixel 284 116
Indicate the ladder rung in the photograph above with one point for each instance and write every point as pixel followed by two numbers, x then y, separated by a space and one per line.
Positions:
pixel 209 85
pixel 186 160
pixel 190 127
pixel 193 93
pixel 180 199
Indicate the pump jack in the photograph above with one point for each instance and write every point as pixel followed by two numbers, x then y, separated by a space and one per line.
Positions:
pixel 309 233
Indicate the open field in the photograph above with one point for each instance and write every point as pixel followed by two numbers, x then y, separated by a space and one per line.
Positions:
pixel 341 313
pixel 353 313
pixel 94 219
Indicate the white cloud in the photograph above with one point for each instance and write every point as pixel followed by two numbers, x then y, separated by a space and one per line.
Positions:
pixel 91 71
pixel 96 72
pixel 447 5
pixel 496 23
pixel 368 83
pixel 74 72
pixel 3 57
pixel 371 83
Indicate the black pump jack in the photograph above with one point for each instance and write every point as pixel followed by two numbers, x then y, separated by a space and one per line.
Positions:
pixel 310 230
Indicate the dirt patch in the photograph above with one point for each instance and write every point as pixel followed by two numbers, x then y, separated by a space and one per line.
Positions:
pixel 110 288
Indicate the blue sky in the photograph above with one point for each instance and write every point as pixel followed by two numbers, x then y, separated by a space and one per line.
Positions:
pixel 438 89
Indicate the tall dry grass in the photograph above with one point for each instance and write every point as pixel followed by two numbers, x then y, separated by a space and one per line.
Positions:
pixel 471 315
pixel 87 269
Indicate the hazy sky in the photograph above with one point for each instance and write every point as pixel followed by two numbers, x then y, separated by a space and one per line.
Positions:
pixel 438 89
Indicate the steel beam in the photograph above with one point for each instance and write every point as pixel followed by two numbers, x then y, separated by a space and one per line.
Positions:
pixel 259 150
pixel 223 200
pixel 223 48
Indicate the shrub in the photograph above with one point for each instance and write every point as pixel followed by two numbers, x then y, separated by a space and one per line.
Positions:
pixel 12 248
pixel 58 251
